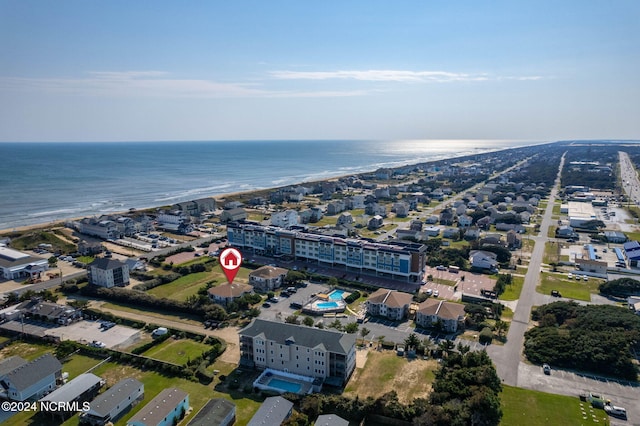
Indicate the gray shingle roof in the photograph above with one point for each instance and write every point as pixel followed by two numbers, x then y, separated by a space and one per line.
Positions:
pixel 10 364
pixel 213 413
pixel 112 397
pixel 309 337
pixel 273 411
pixel 74 388
pixel 34 371
pixel 106 263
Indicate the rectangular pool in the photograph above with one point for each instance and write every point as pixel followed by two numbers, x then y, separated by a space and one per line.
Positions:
pixel 284 385
pixel 327 305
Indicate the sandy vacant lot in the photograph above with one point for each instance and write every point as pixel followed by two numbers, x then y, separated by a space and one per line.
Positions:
pixel 385 371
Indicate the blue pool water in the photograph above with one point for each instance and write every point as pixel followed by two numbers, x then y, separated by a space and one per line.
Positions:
pixel 327 305
pixel 336 295
pixel 284 385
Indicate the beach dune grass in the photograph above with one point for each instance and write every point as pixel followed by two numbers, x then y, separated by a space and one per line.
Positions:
pixel 571 289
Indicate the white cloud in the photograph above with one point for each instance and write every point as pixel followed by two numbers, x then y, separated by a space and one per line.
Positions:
pixel 154 84
pixel 401 76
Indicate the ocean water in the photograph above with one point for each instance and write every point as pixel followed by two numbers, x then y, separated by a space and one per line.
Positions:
pixel 44 182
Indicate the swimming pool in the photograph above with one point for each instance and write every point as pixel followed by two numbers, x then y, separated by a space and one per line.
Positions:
pixel 336 295
pixel 285 385
pixel 327 305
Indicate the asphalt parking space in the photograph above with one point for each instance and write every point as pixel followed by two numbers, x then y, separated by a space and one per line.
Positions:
pixel 88 331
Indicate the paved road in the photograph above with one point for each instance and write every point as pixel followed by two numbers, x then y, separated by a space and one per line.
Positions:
pixel 507 357
pixel 629 177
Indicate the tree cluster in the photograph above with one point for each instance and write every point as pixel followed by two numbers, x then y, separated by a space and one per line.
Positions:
pixel 622 287
pixel 594 338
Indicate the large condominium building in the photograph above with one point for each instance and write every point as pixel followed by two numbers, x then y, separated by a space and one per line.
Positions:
pixel 105 272
pixel 325 354
pixel 396 259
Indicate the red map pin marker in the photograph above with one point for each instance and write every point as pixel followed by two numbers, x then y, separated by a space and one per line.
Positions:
pixel 230 261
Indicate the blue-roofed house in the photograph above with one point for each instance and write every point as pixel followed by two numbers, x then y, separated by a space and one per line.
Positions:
pixel 632 252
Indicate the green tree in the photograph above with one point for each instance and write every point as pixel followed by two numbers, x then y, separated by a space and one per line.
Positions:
pixel 412 342
pixel 351 328
pixel 308 321
pixel 364 331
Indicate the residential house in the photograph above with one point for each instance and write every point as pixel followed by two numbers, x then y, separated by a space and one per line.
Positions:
pixel 513 240
pixel 390 304
pixel 432 231
pixel 433 311
pixel 471 234
pixel 316 214
pixel 451 233
pixel 465 221
pixel 267 278
pixel 273 411
pixel 216 412
pixel 174 221
pixel 233 215
pixel 285 219
pixel 196 207
pixel 484 222
pixel 416 225
pixel 566 231
pixel 105 229
pixel 325 354
pixel 432 220
pixel 335 207
pixel 166 409
pixel 80 389
pixel 30 380
pixel 108 272
pixel 446 217
pixel 481 259
pixel 375 209
pixel 401 209
pixel 89 248
pixel 345 219
pixel 492 240
pixel 109 406
pixel 375 222
pixel 227 293
pixel 15 264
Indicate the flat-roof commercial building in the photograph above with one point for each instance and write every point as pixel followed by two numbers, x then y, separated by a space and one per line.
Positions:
pixel 15 264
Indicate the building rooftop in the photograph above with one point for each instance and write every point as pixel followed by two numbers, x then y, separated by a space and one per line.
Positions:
pixel 273 411
pixel 333 341
pixel 112 397
pixel 213 413
pixel 267 272
pixel 32 372
pixel 159 407
pixel 74 388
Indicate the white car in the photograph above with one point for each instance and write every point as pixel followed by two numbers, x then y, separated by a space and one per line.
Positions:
pixel 436 293
pixel 570 276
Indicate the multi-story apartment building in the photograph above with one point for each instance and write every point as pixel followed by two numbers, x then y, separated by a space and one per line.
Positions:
pixel 105 272
pixel 325 354
pixel 389 304
pixel 397 259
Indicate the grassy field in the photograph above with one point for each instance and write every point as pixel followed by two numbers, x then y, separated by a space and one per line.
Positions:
pixel 512 292
pixel 28 351
pixel 385 371
pixel 177 351
pixel 551 232
pixel 32 239
pixel 551 253
pixel 532 408
pixel 188 285
pixel 572 289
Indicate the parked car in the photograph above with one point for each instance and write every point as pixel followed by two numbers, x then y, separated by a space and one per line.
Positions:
pixel 615 411
pixel 555 293
pixel 429 292
pixel 546 368
pixel 266 305
pixel 436 293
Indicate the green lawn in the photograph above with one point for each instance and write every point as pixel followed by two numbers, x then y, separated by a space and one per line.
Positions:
pixel 512 292
pixel 572 289
pixel 177 351
pixel 85 259
pixel 532 408
pixel 79 364
pixel 189 285
pixel 551 232
pixel 633 236
pixel 28 351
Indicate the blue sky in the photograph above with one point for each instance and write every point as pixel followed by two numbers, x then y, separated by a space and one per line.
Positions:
pixel 210 70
